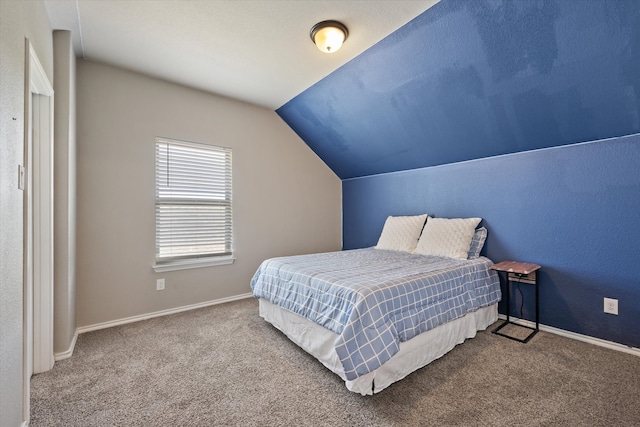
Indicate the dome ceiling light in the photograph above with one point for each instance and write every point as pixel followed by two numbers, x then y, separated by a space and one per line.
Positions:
pixel 329 35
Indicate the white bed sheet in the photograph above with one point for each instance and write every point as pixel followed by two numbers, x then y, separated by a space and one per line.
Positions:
pixel 414 354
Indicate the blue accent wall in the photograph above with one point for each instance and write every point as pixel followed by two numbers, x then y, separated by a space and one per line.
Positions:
pixel 473 79
pixel 485 108
pixel 575 210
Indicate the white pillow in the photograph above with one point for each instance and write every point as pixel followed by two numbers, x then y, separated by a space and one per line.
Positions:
pixel 401 233
pixel 447 237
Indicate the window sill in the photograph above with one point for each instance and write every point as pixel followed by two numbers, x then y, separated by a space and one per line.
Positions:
pixel 193 263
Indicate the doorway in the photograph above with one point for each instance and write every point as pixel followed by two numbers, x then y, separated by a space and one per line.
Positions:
pixel 38 224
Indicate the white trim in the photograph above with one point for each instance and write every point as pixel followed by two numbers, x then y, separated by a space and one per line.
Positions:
pixel 573 335
pixel 69 352
pixel 37 353
pixel 133 319
pixel 193 263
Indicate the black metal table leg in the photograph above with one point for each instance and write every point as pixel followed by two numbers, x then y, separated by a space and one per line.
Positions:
pixel 508 321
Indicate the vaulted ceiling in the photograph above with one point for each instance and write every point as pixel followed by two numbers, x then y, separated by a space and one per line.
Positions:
pixel 258 51
pixel 473 79
pixel 417 84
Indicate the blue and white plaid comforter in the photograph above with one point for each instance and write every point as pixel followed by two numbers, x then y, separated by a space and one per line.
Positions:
pixel 375 299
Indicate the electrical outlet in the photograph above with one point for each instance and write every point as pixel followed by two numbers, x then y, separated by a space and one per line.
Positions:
pixel 611 306
pixel 160 285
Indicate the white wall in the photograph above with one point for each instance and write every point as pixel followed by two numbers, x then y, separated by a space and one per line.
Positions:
pixel 18 20
pixel 285 199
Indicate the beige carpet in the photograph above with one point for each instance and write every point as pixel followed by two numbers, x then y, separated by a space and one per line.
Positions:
pixel 224 366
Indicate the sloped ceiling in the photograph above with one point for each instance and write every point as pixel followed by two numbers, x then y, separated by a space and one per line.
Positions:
pixel 473 79
pixel 257 51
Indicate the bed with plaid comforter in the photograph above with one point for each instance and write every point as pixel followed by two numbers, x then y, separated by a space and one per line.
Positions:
pixel 374 299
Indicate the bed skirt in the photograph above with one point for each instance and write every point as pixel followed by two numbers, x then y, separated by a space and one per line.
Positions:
pixel 414 354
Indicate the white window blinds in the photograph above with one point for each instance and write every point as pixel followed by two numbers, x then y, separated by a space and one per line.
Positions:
pixel 193 200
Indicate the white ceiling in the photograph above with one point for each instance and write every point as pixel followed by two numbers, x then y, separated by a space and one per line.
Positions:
pixel 258 51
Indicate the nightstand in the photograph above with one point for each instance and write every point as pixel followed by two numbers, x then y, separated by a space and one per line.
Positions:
pixel 522 272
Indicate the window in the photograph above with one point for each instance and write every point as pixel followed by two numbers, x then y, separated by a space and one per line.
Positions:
pixel 193 204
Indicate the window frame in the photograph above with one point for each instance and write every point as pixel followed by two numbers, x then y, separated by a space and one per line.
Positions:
pixel 184 194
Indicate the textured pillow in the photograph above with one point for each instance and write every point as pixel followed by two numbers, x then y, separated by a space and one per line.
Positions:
pixel 401 233
pixel 447 237
pixel 477 243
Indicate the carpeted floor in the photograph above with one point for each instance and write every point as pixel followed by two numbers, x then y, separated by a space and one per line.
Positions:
pixel 225 366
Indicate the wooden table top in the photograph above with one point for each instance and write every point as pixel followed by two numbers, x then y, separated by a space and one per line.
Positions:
pixel 515 267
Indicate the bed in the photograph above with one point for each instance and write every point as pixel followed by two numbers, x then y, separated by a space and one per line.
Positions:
pixel 374 315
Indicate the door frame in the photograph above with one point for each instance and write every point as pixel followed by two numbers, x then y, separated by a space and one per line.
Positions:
pixel 38 223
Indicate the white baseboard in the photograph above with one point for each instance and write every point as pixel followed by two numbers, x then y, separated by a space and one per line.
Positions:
pixel 133 319
pixel 573 335
pixel 69 352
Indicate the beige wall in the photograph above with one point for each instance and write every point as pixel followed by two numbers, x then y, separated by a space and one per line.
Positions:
pixel 285 199
pixel 64 85
pixel 18 20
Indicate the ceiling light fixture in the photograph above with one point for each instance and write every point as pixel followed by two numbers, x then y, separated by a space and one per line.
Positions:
pixel 329 35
